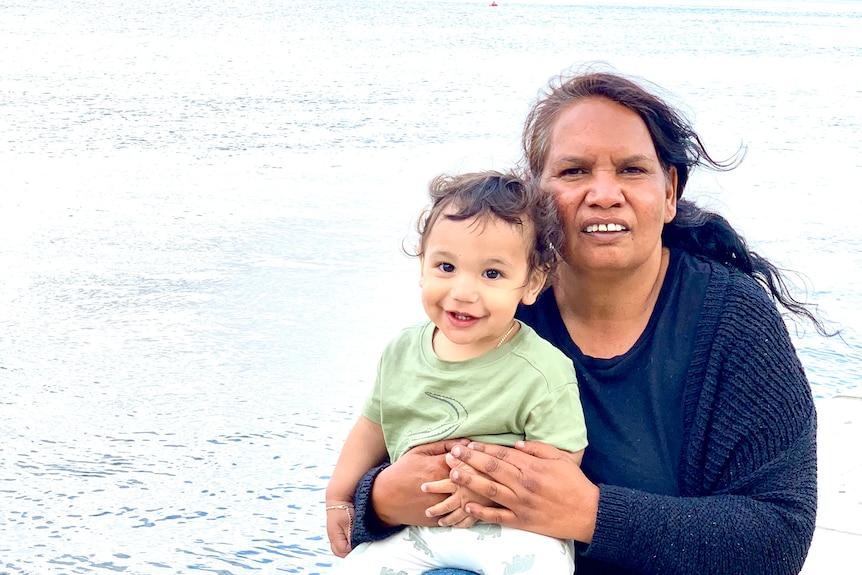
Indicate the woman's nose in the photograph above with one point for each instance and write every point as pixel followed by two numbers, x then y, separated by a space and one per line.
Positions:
pixel 606 189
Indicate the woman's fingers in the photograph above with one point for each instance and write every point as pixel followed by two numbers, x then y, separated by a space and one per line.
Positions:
pixel 487 474
pixel 491 514
pixel 539 449
pixel 495 461
pixel 438 447
pixel 540 488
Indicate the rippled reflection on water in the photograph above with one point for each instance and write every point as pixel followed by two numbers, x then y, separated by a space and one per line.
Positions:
pixel 192 499
pixel 171 396
pixel 201 213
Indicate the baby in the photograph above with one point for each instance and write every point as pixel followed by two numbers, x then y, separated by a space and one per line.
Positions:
pixel 486 246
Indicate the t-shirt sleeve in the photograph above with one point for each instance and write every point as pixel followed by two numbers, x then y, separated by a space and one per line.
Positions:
pixel 371 406
pixel 558 419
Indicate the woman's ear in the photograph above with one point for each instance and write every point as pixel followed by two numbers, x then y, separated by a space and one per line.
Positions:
pixel 534 287
pixel 670 194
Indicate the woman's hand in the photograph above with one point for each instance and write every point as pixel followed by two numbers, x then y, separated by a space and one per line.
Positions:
pixel 539 488
pixel 397 497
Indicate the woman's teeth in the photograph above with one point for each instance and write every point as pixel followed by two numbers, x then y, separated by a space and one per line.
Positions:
pixel 604 228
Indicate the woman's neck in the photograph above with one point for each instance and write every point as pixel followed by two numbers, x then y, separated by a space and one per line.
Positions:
pixel 606 312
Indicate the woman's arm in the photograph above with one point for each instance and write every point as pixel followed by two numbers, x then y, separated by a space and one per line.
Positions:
pixel 763 526
pixel 390 496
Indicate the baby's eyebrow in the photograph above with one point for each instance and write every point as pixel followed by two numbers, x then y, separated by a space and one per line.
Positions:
pixel 439 253
pixel 496 263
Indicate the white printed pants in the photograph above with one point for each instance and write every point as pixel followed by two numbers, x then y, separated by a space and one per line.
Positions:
pixel 485 548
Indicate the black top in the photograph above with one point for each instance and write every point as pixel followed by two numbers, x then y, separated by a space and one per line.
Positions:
pixel 633 403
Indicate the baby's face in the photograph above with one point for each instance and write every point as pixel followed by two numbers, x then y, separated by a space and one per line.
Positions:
pixel 474 274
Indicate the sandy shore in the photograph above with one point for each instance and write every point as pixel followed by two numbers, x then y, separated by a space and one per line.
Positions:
pixel 837 542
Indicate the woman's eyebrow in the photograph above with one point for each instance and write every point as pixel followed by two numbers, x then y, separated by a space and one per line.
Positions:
pixel 570 159
pixel 635 158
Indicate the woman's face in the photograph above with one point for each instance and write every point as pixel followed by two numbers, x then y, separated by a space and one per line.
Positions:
pixel 612 193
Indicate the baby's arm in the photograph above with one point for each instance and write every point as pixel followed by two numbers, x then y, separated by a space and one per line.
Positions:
pixel 363 449
pixel 577 456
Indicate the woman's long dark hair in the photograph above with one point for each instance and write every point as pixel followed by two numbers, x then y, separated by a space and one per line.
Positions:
pixel 677 145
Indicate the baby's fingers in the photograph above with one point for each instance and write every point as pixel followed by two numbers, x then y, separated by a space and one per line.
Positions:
pixel 339 541
pixel 468 521
pixel 448 505
pixel 457 518
pixel 441 486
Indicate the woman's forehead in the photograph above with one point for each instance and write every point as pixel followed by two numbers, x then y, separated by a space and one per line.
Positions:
pixel 598 125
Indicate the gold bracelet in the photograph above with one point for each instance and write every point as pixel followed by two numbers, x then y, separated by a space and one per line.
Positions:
pixel 349 514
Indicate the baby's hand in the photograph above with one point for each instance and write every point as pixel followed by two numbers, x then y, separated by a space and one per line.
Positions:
pixel 450 510
pixel 339 522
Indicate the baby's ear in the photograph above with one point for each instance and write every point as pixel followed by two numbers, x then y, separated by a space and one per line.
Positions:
pixel 421 270
pixel 534 287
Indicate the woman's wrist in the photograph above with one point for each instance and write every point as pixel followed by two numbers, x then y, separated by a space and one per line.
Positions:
pixel 390 496
pixel 366 525
pixel 397 495
pixel 590 514
pixel 381 498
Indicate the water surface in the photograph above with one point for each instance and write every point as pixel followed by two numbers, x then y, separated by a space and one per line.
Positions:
pixel 201 219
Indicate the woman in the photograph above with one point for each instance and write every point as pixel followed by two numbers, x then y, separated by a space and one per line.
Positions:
pixel 699 415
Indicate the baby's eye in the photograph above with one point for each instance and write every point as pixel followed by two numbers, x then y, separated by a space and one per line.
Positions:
pixel 492 274
pixel 446 267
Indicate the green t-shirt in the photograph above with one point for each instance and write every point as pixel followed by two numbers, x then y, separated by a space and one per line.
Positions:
pixel 525 389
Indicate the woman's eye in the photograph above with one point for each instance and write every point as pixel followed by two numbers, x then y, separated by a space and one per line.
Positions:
pixel 446 268
pixel 493 274
pixel 572 172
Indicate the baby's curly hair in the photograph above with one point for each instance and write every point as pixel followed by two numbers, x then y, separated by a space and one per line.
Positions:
pixel 504 195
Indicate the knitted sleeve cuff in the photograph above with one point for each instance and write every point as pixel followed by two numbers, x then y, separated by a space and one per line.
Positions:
pixel 367 526
pixel 609 542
